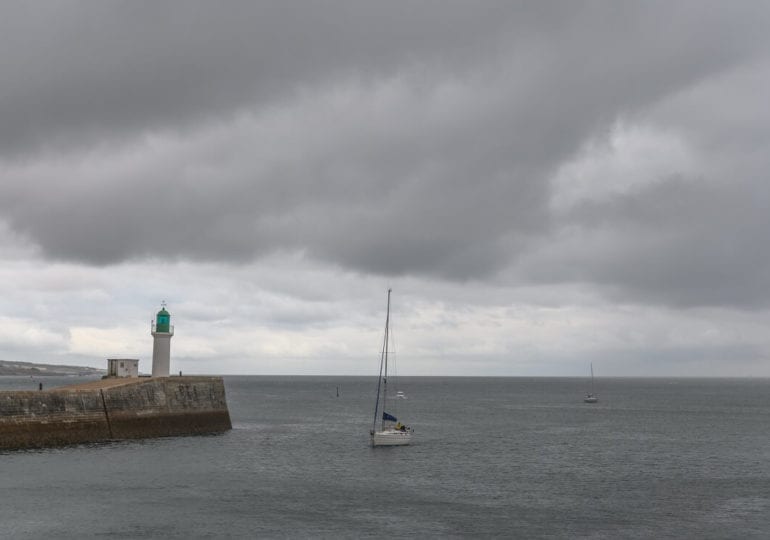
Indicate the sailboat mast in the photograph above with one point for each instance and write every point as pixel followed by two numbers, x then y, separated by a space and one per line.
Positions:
pixel 383 362
pixel 592 378
pixel 385 378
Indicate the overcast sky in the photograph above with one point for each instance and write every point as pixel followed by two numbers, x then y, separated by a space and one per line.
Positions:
pixel 542 184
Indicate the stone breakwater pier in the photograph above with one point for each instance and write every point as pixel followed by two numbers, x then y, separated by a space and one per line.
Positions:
pixel 113 409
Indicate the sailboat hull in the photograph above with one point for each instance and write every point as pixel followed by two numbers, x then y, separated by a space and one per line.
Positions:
pixel 391 437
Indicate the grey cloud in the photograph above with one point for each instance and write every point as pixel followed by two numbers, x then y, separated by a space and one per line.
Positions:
pixel 447 175
pixel 77 73
pixel 683 242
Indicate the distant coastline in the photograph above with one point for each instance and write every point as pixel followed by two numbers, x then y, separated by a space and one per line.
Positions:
pixel 45 370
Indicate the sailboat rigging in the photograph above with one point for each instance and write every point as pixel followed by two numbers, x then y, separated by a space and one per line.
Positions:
pixel 391 432
pixel 591 397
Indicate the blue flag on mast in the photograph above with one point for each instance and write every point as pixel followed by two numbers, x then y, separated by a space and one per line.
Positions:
pixel 390 417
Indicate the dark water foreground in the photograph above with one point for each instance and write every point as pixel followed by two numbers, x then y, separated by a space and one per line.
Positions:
pixel 517 457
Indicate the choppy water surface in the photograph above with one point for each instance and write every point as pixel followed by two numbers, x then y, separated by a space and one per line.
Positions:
pixel 505 457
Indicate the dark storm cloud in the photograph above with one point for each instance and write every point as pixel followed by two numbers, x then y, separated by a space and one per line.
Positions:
pixel 410 139
pixel 77 72
pixel 683 243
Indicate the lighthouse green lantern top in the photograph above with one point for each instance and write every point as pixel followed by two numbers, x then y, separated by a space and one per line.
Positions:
pixel 162 320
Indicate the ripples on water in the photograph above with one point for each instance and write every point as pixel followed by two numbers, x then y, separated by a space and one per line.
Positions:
pixel 506 457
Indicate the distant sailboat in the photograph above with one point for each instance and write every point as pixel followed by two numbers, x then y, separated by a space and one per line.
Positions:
pixel 591 397
pixel 391 432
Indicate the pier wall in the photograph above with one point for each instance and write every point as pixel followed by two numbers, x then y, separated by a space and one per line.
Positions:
pixel 113 409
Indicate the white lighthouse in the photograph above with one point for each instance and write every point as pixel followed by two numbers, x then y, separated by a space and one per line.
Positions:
pixel 162 332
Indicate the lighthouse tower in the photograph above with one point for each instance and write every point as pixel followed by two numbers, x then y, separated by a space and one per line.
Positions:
pixel 162 332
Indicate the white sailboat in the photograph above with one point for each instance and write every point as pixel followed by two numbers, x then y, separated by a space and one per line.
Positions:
pixel 591 397
pixel 391 432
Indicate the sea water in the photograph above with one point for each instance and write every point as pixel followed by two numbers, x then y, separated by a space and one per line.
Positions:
pixel 492 457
